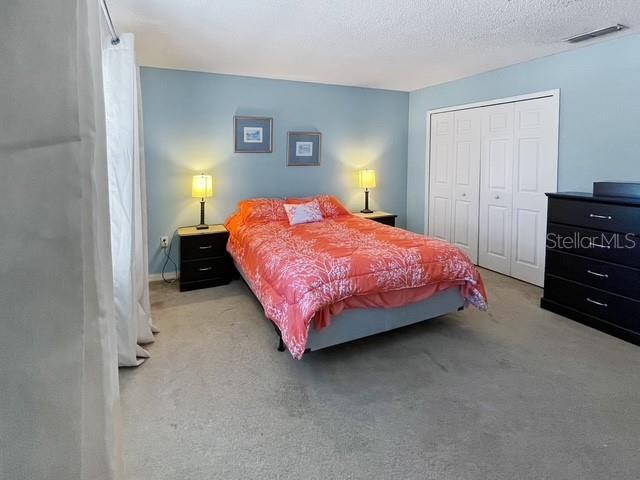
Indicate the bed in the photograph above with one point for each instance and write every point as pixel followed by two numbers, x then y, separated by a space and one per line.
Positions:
pixel 327 282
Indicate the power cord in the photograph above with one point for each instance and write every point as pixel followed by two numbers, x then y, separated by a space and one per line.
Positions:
pixel 167 259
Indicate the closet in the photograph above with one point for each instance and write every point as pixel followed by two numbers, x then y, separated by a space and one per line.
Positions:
pixel 489 169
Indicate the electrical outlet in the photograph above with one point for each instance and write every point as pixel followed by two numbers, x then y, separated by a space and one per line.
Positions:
pixel 164 242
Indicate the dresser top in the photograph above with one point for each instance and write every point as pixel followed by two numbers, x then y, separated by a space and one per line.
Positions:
pixel 590 197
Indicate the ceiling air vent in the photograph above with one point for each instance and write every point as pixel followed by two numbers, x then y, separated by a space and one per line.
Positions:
pixel 596 33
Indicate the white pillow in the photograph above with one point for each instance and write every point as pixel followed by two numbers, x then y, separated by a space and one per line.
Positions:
pixel 303 212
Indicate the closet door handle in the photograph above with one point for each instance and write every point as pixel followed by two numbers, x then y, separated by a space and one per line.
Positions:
pixel 603 217
pixel 603 275
pixel 497 197
pixel 464 194
pixel 595 302
pixel 207 247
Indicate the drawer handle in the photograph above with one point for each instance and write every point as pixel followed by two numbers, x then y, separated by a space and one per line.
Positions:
pixel 600 304
pixel 207 247
pixel 603 275
pixel 599 245
pixel 205 269
pixel 603 217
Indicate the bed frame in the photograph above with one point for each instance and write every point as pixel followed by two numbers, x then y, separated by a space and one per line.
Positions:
pixel 356 323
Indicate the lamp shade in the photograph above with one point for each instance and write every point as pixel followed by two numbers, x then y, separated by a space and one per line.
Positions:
pixel 367 178
pixel 202 186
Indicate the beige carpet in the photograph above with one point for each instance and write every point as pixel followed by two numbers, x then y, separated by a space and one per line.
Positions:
pixel 515 393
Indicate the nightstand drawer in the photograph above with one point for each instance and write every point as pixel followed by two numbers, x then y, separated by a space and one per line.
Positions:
pixel 391 221
pixel 210 268
pixel 203 246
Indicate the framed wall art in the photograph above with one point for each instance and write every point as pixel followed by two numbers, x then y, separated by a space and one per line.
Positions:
pixel 304 149
pixel 253 134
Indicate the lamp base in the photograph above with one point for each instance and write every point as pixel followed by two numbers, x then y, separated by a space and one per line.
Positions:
pixel 366 202
pixel 202 225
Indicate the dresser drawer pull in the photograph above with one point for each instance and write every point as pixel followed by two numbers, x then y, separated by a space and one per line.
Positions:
pixel 603 275
pixel 599 245
pixel 207 247
pixel 603 217
pixel 205 269
pixel 600 304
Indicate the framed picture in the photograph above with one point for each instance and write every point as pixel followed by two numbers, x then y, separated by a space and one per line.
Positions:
pixel 253 134
pixel 304 149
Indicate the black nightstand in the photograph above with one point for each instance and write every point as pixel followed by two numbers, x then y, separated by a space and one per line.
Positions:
pixel 204 261
pixel 380 217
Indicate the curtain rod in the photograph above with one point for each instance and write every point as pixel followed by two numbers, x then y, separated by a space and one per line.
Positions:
pixel 115 39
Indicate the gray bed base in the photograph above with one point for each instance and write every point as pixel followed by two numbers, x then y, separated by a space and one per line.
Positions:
pixel 358 323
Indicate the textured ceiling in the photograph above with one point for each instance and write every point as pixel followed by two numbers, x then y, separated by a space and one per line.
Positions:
pixel 393 44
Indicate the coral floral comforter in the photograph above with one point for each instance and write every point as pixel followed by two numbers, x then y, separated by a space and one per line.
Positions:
pixel 316 269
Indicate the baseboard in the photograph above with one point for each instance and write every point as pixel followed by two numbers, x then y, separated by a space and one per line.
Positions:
pixel 157 277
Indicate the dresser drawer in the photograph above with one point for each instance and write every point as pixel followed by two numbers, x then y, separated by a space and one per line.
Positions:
pixel 606 276
pixel 209 268
pixel 203 246
pixel 602 216
pixel 613 308
pixel 618 248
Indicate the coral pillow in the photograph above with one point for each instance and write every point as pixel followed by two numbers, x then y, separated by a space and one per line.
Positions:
pixel 331 206
pixel 262 210
pixel 303 212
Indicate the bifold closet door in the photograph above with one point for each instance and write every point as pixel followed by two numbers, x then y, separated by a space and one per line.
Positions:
pixel 454 179
pixel 519 164
pixel 535 171
pixel 496 183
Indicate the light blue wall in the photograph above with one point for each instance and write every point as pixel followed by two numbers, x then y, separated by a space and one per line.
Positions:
pixel 599 114
pixel 188 121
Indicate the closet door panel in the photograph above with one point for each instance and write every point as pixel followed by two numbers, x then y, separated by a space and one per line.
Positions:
pixel 441 172
pixel 496 188
pixel 439 217
pixel 466 184
pixel 462 217
pixel 535 172
pixel 497 223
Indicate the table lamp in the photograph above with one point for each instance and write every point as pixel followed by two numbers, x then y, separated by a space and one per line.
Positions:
pixel 202 187
pixel 367 180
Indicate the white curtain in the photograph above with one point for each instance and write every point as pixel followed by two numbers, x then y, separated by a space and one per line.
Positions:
pixel 127 201
pixel 58 370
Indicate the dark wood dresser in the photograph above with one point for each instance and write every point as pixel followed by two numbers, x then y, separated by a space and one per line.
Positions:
pixel 204 261
pixel 592 269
